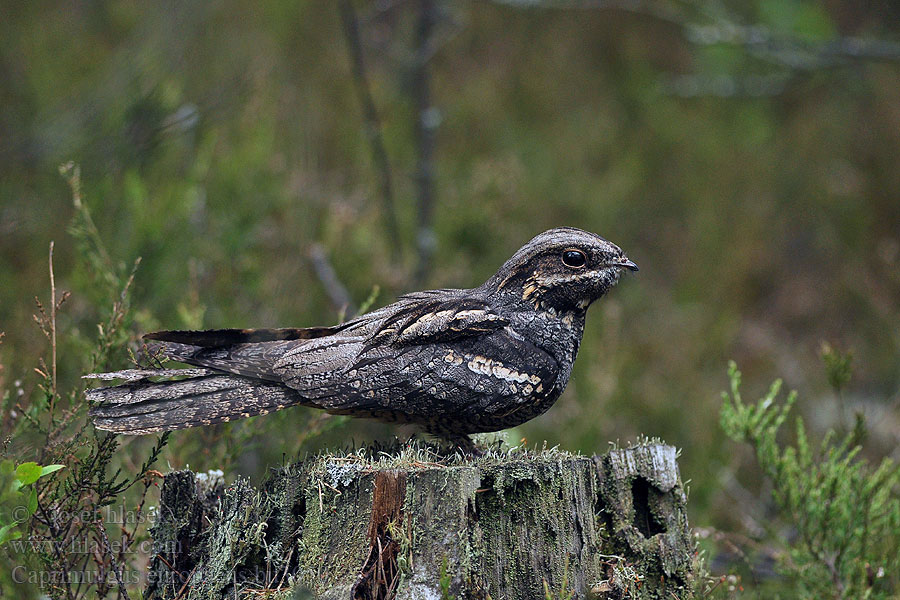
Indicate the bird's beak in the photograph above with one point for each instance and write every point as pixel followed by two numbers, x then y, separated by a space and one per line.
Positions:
pixel 627 264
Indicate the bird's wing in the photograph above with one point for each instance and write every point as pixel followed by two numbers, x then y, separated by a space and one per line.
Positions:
pixel 256 359
pixel 216 338
pixel 352 366
pixel 318 362
pixel 247 352
pixel 427 319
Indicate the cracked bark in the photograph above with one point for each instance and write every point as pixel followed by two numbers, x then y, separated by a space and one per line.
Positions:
pixel 500 526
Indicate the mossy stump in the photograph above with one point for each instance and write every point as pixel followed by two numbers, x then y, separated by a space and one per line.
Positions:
pixel 408 524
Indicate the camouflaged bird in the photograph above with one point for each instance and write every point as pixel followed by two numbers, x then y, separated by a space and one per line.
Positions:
pixel 454 362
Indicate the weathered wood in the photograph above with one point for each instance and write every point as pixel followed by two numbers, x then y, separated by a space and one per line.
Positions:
pixel 508 525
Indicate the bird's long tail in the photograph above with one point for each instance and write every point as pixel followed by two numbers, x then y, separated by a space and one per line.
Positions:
pixel 200 397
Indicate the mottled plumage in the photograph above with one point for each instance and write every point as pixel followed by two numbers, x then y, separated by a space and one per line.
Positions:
pixel 454 362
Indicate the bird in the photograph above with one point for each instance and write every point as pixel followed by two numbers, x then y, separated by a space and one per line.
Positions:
pixel 453 362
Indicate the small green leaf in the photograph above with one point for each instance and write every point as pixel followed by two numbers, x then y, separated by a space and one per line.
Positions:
pixel 51 469
pixel 28 472
pixel 32 502
pixel 7 533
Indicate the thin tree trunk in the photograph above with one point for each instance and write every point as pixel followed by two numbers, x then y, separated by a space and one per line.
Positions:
pixel 427 121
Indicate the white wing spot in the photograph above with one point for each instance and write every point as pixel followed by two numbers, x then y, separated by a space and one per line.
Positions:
pixel 452 358
pixel 487 366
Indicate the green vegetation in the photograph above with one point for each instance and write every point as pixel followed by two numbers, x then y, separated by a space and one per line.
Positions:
pixel 85 525
pixel 12 495
pixel 844 512
pixel 445 582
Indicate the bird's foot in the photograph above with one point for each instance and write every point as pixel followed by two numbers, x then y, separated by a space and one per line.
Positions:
pixel 464 445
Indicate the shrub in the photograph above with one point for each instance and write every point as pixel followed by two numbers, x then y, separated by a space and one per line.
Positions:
pixel 845 512
pixel 71 528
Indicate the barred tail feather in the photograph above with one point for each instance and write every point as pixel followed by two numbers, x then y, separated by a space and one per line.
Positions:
pixel 141 406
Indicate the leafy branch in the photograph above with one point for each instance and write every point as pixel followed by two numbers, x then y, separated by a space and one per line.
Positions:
pixel 846 512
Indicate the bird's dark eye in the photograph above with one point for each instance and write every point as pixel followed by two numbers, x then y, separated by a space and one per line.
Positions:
pixel 574 258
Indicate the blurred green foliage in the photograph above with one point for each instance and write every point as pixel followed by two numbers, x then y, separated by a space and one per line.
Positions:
pixel 755 184
pixel 12 479
pixel 845 512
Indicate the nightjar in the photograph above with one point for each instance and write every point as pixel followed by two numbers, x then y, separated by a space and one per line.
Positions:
pixel 453 362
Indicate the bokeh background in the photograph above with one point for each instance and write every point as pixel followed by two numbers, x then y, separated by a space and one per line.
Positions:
pixel 744 154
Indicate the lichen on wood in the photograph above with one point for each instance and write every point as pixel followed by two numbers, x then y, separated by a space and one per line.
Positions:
pixel 410 523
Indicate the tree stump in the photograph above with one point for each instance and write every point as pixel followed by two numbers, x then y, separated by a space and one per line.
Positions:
pixel 409 524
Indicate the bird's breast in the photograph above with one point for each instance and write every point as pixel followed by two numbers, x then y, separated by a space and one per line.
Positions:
pixel 557 334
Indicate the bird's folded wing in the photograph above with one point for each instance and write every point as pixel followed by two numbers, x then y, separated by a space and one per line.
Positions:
pixel 248 352
pixel 216 338
pixel 429 321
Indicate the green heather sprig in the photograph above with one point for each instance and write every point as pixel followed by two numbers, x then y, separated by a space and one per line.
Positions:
pixel 844 511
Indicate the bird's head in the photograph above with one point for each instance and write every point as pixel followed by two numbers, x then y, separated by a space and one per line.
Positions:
pixel 561 269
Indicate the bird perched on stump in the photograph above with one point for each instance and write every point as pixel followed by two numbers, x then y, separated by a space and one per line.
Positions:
pixel 454 362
